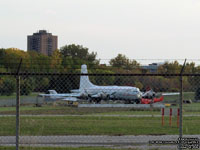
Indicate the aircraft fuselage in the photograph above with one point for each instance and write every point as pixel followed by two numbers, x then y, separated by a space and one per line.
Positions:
pixel 115 92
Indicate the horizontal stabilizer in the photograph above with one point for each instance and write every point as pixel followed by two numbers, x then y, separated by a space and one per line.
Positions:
pixel 72 99
pixel 170 93
pixel 52 92
pixel 75 91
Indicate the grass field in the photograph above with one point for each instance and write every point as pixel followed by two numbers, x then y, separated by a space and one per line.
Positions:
pixel 186 96
pixel 13 96
pixel 193 108
pixel 81 125
pixel 63 110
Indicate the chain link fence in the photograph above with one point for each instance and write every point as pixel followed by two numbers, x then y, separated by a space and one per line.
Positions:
pixel 99 110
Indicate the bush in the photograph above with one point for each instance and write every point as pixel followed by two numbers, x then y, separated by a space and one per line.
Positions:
pixel 27 86
pixel 7 87
pixel 197 94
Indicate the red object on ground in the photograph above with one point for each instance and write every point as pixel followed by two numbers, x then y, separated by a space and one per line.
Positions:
pixel 170 117
pixel 149 101
pixel 163 113
pixel 178 114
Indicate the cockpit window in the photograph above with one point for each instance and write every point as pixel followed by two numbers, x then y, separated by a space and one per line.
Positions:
pixel 136 90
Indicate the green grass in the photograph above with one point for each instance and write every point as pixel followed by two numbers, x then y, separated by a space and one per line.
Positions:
pixel 193 108
pixel 13 96
pixel 186 96
pixel 64 110
pixel 31 108
pixel 77 125
pixel 131 113
pixel 189 109
pixel 66 148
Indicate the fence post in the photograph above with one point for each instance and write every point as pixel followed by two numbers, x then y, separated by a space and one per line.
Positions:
pixel 18 106
pixel 181 106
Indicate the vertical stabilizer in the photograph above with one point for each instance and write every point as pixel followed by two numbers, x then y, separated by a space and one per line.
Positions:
pixel 52 92
pixel 84 79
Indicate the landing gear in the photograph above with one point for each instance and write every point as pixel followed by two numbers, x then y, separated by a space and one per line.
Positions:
pixel 127 102
pixel 137 101
pixel 94 100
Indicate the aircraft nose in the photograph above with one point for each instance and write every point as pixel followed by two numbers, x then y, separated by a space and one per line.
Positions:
pixel 139 95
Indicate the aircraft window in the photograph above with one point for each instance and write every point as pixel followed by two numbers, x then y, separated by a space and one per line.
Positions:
pixel 133 90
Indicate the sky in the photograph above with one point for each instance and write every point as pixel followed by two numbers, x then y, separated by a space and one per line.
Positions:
pixel 139 29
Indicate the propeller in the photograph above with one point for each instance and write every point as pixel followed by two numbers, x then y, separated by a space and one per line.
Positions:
pixel 84 94
pixel 149 94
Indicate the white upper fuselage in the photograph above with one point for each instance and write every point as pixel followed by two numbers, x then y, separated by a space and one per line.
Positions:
pixel 115 92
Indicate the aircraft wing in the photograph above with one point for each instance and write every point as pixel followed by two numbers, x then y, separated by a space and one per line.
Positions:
pixel 72 94
pixel 171 93
pixel 61 95
pixel 64 97
pixel 72 99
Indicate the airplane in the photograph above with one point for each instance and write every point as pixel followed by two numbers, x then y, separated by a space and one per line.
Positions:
pixel 95 93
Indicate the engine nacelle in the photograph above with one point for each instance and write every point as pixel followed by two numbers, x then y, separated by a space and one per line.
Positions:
pixel 149 94
pixel 102 95
pixel 84 95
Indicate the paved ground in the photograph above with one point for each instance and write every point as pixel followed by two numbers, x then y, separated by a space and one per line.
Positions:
pixel 141 141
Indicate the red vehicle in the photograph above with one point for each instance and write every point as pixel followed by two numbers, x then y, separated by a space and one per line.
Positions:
pixel 153 100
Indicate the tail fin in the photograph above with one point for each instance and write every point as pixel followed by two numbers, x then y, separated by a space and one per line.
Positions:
pixel 52 92
pixel 84 80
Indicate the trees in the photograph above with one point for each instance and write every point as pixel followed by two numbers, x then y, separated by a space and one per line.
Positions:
pixel 27 86
pixel 69 59
pixel 170 67
pixel 56 61
pixel 7 86
pixel 123 65
pixel 121 61
pixel 78 53
pixel 197 94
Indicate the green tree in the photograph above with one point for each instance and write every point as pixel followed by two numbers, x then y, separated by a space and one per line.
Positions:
pixel 121 61
pixel 7 86
pixel 42 83
pixel 56 61
pixel 77 53
pixel 197 94
pixel 102 80
pixel 167 67
pixel 27 85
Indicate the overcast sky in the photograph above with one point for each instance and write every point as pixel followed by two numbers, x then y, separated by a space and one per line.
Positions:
pixel 140 29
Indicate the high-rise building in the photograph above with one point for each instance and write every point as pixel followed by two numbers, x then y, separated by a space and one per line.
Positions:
pixel 42 42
